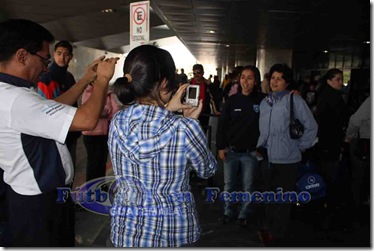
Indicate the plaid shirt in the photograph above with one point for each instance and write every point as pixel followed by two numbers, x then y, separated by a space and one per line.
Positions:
pixel 153 152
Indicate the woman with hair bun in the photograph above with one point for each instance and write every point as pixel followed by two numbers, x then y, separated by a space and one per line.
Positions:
pixel 153 152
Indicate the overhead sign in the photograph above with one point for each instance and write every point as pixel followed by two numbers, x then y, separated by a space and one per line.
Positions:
pixel 139 23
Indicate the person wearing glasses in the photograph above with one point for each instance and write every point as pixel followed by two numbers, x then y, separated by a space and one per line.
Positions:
pixel 33 153
pixel 198 79
pixel 58 80
pixel 208 101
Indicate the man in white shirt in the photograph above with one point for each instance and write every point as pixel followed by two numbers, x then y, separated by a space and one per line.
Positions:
pixel 33 130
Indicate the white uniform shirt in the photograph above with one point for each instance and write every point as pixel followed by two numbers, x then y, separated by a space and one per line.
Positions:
pixel 32 135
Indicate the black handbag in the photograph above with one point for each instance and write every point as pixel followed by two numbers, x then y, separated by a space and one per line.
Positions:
pixel 296 128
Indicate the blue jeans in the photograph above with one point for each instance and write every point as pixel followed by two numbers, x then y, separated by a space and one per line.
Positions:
pixel 238 168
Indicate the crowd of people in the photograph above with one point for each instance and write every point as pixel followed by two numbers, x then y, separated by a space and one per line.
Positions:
pixel 153 148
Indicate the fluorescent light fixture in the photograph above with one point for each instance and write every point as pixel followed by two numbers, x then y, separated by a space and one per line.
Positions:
pixel 107 11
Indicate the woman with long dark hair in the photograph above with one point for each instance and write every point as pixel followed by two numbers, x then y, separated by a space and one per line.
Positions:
pixel 237 136
pixel 332 115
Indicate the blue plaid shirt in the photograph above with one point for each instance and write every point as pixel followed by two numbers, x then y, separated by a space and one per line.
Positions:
pixel 153 152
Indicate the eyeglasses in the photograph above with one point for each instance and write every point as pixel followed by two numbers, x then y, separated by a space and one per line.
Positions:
pixel 197 72
pixel 45 61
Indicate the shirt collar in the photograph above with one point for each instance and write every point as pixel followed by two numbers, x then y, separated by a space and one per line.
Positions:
pixel 58 69
pixel 13 80
pixel 279 95
pixel 274 97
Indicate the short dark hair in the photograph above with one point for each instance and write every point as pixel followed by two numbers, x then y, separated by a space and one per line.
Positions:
pixel 287 73
pixel 198 67
pixel 147 65
pixel 64 44
pixel 21 33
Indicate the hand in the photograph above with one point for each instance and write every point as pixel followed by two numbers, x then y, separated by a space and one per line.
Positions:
pixel 91 71
pixel 105 69
pixel 193 112
pixel 175 103
pixel 262 152
pixel 222 154
pixel 295 92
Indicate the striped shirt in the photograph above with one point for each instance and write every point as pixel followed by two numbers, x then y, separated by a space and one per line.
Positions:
pixel 153 152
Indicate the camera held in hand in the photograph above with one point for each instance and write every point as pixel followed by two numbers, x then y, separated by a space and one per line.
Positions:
pixel 192 95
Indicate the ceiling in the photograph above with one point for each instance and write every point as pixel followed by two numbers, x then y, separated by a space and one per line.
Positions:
pixel 241 26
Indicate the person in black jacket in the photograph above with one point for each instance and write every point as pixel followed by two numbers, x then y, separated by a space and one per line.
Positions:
pixel 237 136
pixel 332 115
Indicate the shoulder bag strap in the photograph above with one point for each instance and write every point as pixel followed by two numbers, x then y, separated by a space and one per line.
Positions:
pixel 291 108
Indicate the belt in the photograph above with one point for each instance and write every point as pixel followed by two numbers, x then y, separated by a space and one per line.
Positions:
pixel 238 150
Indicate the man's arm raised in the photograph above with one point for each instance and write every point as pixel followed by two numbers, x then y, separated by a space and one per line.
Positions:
pixel 71 96
pixel 89 113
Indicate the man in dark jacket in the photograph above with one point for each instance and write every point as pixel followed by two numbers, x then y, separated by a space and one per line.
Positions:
pixel 57 81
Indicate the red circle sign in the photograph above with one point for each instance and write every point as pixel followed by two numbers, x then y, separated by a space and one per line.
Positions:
pixel 139 15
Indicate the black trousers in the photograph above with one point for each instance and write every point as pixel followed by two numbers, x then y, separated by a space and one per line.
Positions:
pixel 277 215
pixel 39 221
pixel 97 154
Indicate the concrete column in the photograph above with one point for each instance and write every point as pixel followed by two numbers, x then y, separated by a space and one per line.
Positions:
pixel 268 57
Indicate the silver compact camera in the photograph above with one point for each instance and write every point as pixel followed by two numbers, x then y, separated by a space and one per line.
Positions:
pixel 192 95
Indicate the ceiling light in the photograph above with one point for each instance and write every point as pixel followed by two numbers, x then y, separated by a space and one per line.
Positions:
pixel 107 11
pixel 325 51
pixel 366 42
pixel 227 45
pixel 212 31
